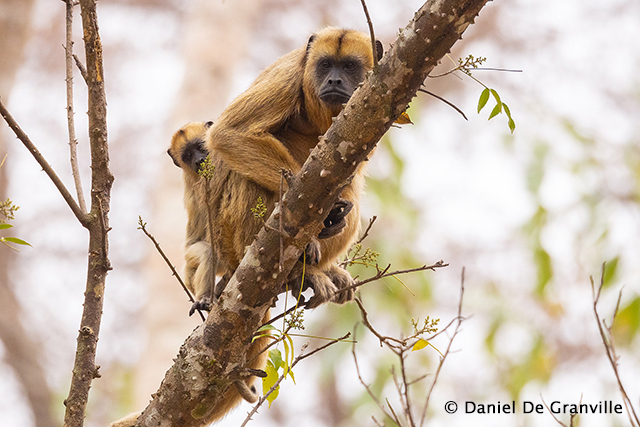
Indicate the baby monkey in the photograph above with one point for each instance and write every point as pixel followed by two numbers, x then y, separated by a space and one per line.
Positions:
pixel 188 152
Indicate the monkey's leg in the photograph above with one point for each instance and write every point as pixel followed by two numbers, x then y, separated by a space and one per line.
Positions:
pixel 199 256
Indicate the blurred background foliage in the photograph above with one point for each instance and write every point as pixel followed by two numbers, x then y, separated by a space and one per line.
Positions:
pixel 530 215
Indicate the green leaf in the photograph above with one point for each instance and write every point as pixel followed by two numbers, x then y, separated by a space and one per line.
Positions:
pixel 544 267
pixel 484 97
pixel 496 96
pixel 276 357
pixel 610 269
pixel 496 110
pixel 5 226
pixel 627 323
pixel 269 381
pixel 511 123
pixel 16 241
pixel 420 345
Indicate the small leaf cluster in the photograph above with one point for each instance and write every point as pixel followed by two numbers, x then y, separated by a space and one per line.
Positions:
pixel 499 108
pixel 366 258
pixel 429 326
pixel 470 62
pixel 7 213
pixel 260 210
pixel 295 320
pixel 206 168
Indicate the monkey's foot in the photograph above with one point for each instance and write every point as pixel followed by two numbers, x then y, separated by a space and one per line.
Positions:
pixel 202 304
pixel 343 282
pixel 312 253
pixel 335 222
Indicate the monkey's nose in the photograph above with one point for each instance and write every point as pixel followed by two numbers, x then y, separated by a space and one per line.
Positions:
pixel 336 82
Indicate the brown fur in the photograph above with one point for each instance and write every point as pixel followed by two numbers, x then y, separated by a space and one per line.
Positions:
pixel 273 125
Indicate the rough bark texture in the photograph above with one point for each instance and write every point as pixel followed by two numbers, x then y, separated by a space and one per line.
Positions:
pixel 97 222
pixel 211 357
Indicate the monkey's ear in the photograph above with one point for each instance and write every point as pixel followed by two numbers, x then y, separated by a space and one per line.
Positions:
pixel 208 124
pixel 175 161
pixel 310 42
pixel 379 49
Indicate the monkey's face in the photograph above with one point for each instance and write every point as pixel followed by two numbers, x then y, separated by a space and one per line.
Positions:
pixel 337 61
pixel 193 154
pixel 338 78
pixel 187 146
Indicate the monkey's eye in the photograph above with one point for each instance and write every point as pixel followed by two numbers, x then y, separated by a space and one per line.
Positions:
pixel 325 64
pixel 350 65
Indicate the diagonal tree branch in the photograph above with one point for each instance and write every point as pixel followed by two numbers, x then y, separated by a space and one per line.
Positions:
pixel 46 167
pixel 215 350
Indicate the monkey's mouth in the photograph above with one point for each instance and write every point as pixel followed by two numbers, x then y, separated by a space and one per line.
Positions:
pixel 335 97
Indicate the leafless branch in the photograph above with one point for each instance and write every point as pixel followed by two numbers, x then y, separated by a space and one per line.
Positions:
pixel 445 101
pixel 459 319
pixel 365 385
pixel 79 213
pixel 142 226
pixel 366 231
pixel 381 274
pixel 373 36
pixel 73 141
pixel 607 340
pixel 81 68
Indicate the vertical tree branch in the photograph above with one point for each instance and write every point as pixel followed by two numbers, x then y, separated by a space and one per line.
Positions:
pixel 73 141
pixel 85 369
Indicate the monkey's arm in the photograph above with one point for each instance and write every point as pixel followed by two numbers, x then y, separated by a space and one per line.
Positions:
pixel 243 137
pixel 257 157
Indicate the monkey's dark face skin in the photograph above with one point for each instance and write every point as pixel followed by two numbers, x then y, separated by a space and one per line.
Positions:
pixel 338 78
pixel 193 154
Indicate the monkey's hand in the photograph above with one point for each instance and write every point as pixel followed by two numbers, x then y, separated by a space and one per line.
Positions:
pixel 203 303
pixel 334 222
pixel 326 285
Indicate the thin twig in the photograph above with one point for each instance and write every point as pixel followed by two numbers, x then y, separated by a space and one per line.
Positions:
pixel 81 67
pixel 365 385
pixel 405 392
pixel 142 226
pixel 79 213
pixel 446 353
pixel 366 231
pixel 373 36
pixel 384 273
pixel 552 414
pixel 281 230
pixel 610 350
pixel 73 141
pixel 214 255
pixel 445 101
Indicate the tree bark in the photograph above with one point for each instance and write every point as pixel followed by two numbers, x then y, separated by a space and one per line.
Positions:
pixel 211 357
pixel 97 222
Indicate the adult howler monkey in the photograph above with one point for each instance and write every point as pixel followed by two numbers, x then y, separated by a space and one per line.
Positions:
pixel 272 126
